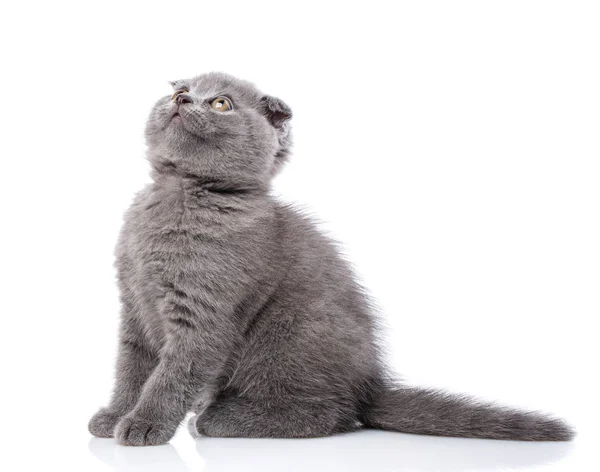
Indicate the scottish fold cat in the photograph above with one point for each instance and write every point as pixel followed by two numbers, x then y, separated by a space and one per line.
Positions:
pixel 236 307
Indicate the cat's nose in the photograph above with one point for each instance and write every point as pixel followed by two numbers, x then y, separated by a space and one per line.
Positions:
pixel 183 98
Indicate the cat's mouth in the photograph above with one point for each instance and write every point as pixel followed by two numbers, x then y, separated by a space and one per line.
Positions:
pixel 175 117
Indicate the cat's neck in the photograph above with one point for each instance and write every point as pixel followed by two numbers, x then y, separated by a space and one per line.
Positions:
pixel 204 200
pixel 174 179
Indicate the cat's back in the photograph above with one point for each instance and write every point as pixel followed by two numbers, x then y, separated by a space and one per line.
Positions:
pixel 319 279
pixel 313 252
pixel 316 333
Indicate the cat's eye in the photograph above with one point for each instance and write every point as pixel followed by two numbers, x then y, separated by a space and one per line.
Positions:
pixel 221 104
pixel 174 97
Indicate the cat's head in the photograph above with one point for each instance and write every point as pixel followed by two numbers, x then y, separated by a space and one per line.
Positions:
pixel 221 129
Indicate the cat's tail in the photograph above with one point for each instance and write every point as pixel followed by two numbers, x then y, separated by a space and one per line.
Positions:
pixel 426 411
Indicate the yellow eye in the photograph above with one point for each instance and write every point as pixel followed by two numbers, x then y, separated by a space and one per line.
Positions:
pixel 221 104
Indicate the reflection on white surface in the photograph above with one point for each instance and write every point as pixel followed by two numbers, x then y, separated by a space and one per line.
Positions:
pixel 150 459
pixel 365 450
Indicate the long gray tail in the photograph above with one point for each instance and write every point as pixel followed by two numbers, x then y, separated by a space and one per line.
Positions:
pixel 425 411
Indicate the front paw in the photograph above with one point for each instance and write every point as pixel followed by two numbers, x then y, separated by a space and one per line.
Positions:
pixel 135 431
pixel 102 424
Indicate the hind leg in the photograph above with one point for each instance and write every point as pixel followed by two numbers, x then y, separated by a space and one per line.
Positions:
pixel 239 417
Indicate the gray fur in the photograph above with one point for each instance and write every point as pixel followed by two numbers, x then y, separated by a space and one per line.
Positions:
pixel 236 307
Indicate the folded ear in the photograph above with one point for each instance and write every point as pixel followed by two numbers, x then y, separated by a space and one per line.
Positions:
pixel 278 114
pixel 276 111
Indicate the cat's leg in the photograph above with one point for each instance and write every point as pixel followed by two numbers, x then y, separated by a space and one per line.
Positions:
pixel 197 346
pixel 135 363
pixel 241 417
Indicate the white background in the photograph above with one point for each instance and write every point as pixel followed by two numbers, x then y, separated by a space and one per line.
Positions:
pixel 452 147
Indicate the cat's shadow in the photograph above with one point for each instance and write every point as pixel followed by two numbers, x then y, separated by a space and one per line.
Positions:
pixel 375 450
pixel 365 450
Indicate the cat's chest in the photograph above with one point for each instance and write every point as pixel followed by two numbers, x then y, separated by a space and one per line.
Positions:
pixel 166 234
pixel 174 238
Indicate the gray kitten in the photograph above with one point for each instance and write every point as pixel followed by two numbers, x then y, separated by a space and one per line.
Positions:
pixel 236 307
